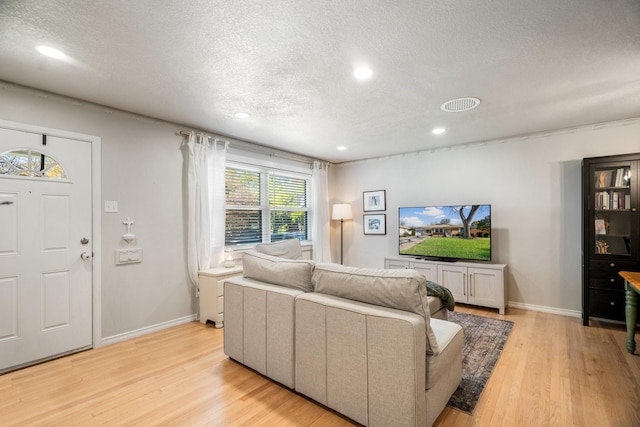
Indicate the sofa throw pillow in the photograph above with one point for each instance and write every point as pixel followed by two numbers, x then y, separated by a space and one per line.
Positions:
pixel 289 248
pixel 400 289
pixel 291 273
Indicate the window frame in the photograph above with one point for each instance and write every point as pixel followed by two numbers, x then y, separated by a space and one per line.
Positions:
pixel 265 170
pixel 41 174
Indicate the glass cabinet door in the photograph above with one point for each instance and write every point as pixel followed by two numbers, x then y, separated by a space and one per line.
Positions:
pixel 612 216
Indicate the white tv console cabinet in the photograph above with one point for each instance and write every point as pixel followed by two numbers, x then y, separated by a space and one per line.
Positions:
pixel 469 282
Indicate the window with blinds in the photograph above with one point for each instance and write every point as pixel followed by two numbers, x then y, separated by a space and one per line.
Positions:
pixel 264 205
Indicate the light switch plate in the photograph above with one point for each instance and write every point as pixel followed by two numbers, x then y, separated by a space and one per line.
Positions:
pixel 128 256
pixel 110 206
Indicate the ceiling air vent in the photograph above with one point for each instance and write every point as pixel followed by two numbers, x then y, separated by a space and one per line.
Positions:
pixel 460 104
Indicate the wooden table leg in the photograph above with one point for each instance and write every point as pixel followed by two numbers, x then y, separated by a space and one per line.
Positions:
pixel 631 314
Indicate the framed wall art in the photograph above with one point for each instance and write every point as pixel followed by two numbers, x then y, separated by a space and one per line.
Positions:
pixel 375 223
pixel 374 201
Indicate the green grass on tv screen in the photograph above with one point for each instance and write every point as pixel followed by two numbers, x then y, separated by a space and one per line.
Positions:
pixel 452 247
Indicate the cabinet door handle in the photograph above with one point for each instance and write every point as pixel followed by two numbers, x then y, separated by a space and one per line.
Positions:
pixel 464 284
pixel 612 265
pixel 471 285
pixel 612 280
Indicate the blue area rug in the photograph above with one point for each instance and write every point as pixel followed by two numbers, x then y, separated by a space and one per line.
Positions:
pixel 484 339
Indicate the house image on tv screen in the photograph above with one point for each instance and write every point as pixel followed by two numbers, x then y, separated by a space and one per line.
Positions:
pixel 438 230
pixel 452 232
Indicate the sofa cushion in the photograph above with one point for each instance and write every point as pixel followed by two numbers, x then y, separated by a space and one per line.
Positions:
pixel 399 289
pixel 289 248
pixel 436 308
pixel 295 274
pixel 450 338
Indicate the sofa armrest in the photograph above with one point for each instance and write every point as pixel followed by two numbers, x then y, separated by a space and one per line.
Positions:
pixel 259 327
pixel 365 361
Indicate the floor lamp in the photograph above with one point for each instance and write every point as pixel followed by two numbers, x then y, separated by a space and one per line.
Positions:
pixel 341 211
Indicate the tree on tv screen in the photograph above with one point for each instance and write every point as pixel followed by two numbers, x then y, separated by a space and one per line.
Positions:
pixel 466 221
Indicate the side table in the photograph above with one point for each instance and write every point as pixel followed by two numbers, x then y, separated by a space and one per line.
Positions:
pixel 212 293
pixel 632 288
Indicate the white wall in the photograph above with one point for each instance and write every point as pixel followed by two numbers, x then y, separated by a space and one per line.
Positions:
pixel 533 185
pixel 142 169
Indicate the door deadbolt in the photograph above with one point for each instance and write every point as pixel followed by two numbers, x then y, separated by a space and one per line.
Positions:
pixel 84 240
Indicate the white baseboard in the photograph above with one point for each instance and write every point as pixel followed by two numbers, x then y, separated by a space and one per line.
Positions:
pixel 186 319
pixel 147 330
pixel 545 309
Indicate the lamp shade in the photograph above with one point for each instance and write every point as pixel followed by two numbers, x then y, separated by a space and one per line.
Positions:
pixel 341 211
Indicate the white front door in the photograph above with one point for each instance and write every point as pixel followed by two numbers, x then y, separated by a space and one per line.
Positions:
pixel 45 247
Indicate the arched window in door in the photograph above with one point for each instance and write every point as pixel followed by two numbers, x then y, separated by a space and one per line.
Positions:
pixel 27 162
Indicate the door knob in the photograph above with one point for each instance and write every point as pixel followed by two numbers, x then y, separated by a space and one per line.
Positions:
pixel 85 255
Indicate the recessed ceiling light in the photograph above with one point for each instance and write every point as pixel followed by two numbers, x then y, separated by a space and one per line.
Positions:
pixel 242 115
pixel 341 148
pixel 362 73
pixel 51 52
pixel 438 131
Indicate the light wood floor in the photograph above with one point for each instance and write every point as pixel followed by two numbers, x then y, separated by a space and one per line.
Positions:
pixel 552 372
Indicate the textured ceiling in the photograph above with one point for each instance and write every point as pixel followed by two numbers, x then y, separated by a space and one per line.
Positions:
pixel 536 65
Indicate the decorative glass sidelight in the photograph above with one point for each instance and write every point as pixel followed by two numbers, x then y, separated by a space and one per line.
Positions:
pixel 30 163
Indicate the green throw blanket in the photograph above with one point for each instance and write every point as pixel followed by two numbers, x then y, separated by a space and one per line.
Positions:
pixel 435 290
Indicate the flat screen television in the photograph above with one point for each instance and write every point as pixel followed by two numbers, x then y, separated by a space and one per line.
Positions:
pixel 447 233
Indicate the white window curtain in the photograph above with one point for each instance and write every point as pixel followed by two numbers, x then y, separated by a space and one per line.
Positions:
pixel 320 224
pixel 205 203
pixel 217 165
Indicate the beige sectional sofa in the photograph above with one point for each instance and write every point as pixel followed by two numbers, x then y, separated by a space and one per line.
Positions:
pixel 360 341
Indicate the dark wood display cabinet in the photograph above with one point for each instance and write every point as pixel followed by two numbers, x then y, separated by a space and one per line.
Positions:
pixel 610 233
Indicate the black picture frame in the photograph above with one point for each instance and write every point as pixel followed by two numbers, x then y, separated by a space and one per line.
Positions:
pixel 375 224
pixel 374 201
